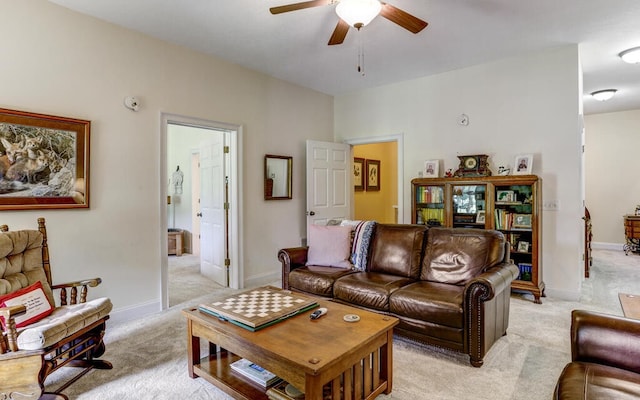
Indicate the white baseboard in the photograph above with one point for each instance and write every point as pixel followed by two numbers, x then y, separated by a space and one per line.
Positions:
pixel 567 295
pixel 606 246
pixel 264 279
pixel 132 313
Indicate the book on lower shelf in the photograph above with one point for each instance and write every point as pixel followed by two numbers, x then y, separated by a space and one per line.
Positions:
pixel 254 372
pixel 525 271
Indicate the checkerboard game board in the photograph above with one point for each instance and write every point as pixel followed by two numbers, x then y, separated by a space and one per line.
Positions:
pixel 260 307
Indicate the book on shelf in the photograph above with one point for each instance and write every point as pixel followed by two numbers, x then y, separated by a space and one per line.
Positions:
pixel 254 372
pixel 525 271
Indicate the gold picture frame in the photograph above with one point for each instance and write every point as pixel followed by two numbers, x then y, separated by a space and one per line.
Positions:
pixel 358 174
pixel 44 162
pixel 373 175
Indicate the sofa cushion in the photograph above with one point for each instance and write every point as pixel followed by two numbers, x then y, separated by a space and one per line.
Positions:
pixel 589 381
pixel 397 250
pixel 456 255
pixel 63 322
pixel 329 246
pixel 33 298
pixel 368 289
pixel 438 303
pixel 316 280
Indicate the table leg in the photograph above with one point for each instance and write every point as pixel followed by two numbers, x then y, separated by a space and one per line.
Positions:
pixel 387 361
pixel 193 349
pixel 312 388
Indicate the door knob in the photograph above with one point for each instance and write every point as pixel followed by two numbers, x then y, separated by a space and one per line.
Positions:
pixel 311 213
pixel 199 214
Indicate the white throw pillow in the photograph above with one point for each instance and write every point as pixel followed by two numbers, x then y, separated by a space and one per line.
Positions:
pixel 329 246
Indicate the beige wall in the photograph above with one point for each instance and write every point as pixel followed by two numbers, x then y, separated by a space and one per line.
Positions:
pixel 521 105
pixel 379 205
pixel 611 170
pixel 63 63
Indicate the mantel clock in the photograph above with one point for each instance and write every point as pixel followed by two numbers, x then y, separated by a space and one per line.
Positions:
pixel 473 165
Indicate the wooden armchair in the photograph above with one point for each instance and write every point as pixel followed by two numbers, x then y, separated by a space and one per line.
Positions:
pixel 71 335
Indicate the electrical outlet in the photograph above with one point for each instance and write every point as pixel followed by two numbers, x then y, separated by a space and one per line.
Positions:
pixel 551 205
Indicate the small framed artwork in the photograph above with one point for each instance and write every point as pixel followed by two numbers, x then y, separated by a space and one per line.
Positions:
pixel 373 175
pixel 358 174
pixel 505 196
pixel 480 217
pixel 523 164
pixel 522 221
pixel 431 169
pixel 523 247
pixel 44 162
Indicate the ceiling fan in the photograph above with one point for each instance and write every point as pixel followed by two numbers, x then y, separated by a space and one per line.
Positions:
pixel 357 13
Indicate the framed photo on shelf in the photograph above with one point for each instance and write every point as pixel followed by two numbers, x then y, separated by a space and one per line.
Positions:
pixel 523 247
pixel 358 174
pixel 45 161
pixel 523 164
pixel 505 196
pixel 522 221
pixel 480 217
pixel 373 175
pixel 431 169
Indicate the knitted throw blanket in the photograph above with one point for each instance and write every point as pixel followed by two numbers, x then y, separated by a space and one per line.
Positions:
pixel 361 240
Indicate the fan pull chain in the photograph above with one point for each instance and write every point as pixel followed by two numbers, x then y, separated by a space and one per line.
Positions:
pixel 360 67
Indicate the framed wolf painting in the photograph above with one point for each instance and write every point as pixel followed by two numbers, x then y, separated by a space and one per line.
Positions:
pixel 44 161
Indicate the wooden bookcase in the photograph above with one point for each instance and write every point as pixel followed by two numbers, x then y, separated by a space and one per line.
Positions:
pixel 511 204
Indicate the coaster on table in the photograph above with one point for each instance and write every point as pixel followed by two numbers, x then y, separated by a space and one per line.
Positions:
pixel 351 318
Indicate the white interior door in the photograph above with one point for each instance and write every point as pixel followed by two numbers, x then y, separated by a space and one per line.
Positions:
pixel 328 182
pixel 212 199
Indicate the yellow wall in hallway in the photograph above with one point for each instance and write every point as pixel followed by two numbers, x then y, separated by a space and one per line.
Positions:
pixel 379 205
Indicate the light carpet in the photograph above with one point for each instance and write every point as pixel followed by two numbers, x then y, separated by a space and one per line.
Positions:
pixel 149 355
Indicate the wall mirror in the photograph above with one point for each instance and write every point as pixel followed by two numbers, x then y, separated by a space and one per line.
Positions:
pixel 277 177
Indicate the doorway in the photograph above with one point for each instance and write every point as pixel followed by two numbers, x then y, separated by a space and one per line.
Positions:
pixel 389 151
pixel 209 151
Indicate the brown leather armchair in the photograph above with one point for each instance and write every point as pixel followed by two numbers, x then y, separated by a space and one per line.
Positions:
pixel 605 358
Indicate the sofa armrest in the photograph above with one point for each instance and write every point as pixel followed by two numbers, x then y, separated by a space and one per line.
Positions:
pixel 605 339
pixel 291 258
pixel 83 285
pixel 491 282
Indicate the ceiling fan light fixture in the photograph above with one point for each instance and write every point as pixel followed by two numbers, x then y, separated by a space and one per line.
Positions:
pixel 604 95
pixel 631 56
pixel 358 13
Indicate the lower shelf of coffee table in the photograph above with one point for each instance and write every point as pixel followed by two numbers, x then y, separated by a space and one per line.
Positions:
pixel 217 370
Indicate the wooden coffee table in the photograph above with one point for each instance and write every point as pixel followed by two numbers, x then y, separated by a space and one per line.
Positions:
pixel 350 357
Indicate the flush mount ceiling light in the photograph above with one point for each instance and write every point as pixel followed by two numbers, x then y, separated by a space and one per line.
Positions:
pixel 358 13
pixel 603 95
pixel 632 56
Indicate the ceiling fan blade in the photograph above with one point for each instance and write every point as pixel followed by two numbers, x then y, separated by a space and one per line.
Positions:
pixel 402 18
pixel 300 6
pixel 339 33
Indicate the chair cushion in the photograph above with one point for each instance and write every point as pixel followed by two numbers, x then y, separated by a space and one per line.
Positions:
pixel 589 381
pixel 21 262
pixel 63 321
pixel 34 300
pixel 315 279
pixel 368 289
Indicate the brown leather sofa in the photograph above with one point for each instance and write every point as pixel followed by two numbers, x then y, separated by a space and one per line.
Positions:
pixel 449 287
pixel 605 358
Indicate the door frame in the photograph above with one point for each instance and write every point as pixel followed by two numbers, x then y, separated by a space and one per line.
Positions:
pixel 399 139
pixel 236 268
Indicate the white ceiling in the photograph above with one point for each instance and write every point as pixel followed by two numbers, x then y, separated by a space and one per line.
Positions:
pixel 293 46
